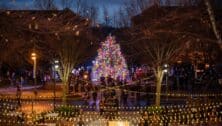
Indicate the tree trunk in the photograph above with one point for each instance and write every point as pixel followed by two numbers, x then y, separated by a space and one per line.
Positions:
pixel 158 91
pixel 64 99
pixel 65 80
pixel 213 22
pixel 159 78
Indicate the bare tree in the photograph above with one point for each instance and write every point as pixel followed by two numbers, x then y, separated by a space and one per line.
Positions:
pixel 106 16
pixel 82 8
pixel 78 5
pixel 66 3
pixel 213 22
pixel 71 51
pixel 134 7
pixel 45 4
pixel 93 14
pixel 142 4
pixel 123 19
pixel 114 21
pixel 87 11
pixel 130 9
pixel 155 2
pixel 160 53
pixel 159 50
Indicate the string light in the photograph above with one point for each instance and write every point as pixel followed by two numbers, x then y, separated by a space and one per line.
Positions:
pixel 8 12
pixel 77 33
pixel 109 61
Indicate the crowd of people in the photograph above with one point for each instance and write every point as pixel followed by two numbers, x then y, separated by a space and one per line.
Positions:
pixel 24 77
pixel 180 77
pixel 186 77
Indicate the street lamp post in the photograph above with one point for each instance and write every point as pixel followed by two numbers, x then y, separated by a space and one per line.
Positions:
pixel 85 77
pixel 34 66
pixel 56 66
pixel 166 66
pixel 34 57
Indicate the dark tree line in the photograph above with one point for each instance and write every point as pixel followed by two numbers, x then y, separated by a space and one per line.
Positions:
pixel 120 18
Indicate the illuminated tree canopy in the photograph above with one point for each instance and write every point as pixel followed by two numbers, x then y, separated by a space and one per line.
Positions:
pixel 110 61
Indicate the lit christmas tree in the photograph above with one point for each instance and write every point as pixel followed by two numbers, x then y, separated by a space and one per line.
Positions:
pixel 110 61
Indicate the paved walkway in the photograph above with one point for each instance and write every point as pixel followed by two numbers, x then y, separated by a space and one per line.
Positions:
pixel 27 91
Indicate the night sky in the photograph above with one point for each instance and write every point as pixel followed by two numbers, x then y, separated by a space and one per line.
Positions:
pixel 111 5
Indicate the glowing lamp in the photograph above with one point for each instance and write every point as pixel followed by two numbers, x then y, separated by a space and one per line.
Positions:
pixel 85 76
pixel 207 65
pixel 56 61
pixel 165 71
pixel 179 61
pixel 33 56
pixel 56 66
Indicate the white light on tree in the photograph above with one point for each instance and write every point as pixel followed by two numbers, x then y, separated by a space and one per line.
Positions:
pixel 56 66
pixel 110 61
